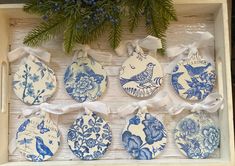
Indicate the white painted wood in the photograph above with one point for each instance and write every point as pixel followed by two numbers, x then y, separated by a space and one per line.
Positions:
pixel 195 17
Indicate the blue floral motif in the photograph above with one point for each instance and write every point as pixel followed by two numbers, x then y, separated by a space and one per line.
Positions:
pixel 150 142
pixel 28 82
pixel 89 137
pixel 154 129
pixel 82 83
pixel 211 140
pixel 134 144
pixel 200 82
pixel 197 138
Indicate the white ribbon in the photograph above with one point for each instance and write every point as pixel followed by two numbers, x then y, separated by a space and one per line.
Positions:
pixel 21 52
pixel 85 50
pixel 187 51
pixel 162 99
pixel 212 103
pixel 129 47
pixel 97 107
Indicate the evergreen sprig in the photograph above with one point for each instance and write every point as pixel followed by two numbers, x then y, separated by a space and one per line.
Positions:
pixel 84 21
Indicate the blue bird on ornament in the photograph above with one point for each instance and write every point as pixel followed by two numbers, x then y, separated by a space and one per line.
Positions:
pixel 22 127
pixel 141 78
pixel 41 148
pixel 192 71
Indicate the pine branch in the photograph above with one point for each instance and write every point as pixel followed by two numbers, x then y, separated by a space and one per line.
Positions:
pixel 45 31
pixel 115 35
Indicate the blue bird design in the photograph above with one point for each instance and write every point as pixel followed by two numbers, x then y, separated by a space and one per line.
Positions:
pixel 141 78
pixel 22 127
pixel 192 71
pixel 41 148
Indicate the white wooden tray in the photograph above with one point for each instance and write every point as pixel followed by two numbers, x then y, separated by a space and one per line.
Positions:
pixel 194 18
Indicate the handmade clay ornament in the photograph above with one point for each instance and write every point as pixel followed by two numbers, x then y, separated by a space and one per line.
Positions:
pixel 89 137
pixel 38 138
pixel 141 75
pixel 144 137
pixel 34 82
pixel 193 79
pixel 85 79
pixel 197 136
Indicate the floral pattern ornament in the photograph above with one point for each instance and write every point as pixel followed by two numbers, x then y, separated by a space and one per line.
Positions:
pixel 38 138
pixel 144 137
pixel 34 82
pixel 141 76
pixel 89 137
pixel 197 136
pixel 85 80
pixel 193 79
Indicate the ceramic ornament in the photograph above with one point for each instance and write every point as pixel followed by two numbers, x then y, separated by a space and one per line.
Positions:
pixel 144 137
pixel 34 82
pixel 141 75
pixel 85 79
pixel 38 138
pixel 197 136
pixel 89 137
pixel 193 79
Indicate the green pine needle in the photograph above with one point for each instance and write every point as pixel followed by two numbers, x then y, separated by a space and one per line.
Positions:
pixel 115 35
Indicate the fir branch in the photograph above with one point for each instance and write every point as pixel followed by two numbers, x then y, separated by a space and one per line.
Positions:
pixel 115 35
pixel 45 31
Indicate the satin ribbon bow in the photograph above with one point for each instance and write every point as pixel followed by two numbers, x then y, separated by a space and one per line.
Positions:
pixel 129 47
pixel 21 52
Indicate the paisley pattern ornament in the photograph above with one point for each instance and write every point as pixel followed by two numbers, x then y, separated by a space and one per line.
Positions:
pixel 85 79
pixel 89 137
pixel 141 75
pixel 34 82
pixel 193 79
pixel 197 136
pixel 144 137
pixel 38 138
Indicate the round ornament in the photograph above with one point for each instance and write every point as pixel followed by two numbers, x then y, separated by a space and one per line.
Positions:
pixel 38 138
pixel 144 137
pixel 141 75
pixel 193 79
pixel 89 137
pixel 197 136
pixel 85 79
pixel 34 82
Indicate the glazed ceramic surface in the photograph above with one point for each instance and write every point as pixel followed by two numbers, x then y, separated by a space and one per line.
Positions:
pixel 141 76
pixel 38 139
pixel 193 79
pixel 197 136
pixel 34 82
pixel 144 137
pixel 85 80
pixel 89 137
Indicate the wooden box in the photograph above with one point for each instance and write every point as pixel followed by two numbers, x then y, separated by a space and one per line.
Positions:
pixel 201 14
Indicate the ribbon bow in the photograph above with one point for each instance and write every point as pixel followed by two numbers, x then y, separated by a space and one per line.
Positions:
pixel 27 51
pixel 160 100
pixel 210 104
pixel 130 47
pixel 85 50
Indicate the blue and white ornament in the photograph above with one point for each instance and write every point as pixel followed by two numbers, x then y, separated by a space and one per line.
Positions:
pixel 85 79
pixel 197 136
pixel 34 82
pixel 89 137
pixel 144 137
pixel 194 78
pixel 38 138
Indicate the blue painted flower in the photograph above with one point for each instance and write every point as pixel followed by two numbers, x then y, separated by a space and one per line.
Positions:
pixel 34 78
pixel 134 144
pixel 97 154
pixel 49 85
pixel 154 129
pixel 135 120
pixel 212 138
pixel 30 92
pixel 189 126
pixel 91 142
pixel 72 135
pixel 84 83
